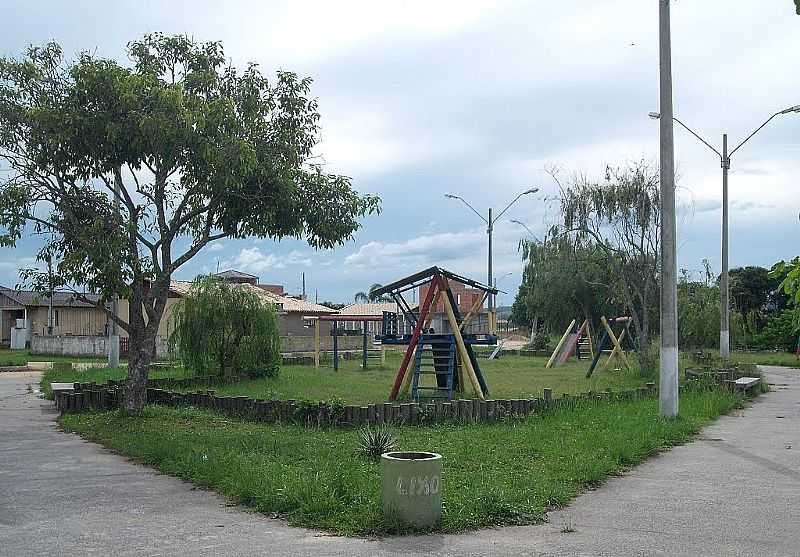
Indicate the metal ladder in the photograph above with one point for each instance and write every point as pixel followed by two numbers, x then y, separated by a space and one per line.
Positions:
pixel 435 356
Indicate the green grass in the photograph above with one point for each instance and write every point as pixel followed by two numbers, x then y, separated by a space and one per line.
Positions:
pixel 98 375
pixel 508 377
pixel 22 357
pixel 766 358
pixel 501 474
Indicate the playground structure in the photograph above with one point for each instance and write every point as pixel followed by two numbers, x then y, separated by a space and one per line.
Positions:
pixel 366 353
pixel 573 342
pixel 445 355
pixel 610 339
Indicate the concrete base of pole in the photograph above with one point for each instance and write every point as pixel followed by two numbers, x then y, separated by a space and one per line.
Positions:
pixel 668 383
pixel 724 344
pixel 113 351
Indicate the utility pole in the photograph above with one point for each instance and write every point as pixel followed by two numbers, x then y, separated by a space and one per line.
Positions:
pixel 724 310
pixel 113 337
pixel 492 318
pixel 304 285
pixel 668 376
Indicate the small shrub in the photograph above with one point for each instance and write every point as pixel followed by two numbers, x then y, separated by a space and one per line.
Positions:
pixel 375 442
pixel 541 341
pixel 648 360
pixel 226 329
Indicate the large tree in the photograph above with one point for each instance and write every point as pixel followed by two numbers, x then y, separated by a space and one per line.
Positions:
pixel 564 279
pixel 754 292
pixel 128 171
pixel 622 216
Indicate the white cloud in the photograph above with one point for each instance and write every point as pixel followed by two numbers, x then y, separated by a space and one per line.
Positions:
pixel 216 246
pixel 255 261
pixel 423 250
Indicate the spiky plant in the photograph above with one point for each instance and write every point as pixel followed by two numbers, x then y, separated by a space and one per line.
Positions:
pixel 375 442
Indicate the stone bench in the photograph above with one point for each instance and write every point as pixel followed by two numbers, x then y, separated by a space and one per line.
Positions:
pixel 746 383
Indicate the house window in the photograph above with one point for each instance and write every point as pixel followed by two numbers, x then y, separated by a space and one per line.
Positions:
pixel 55 318
pixel 458 300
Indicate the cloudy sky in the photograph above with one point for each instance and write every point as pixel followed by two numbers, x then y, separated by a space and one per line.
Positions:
pixel 479 99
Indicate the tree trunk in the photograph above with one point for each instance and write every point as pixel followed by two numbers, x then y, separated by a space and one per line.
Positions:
pixel 534 329
pixel 142 339
pixel 140 353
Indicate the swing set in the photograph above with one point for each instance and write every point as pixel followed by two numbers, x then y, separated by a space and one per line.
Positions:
pixel 447 355
pixel 578 343
pixel 614 342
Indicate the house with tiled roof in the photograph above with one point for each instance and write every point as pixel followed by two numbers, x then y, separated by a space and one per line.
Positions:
pixel 295 313
pixel 372 309
pixel 70 316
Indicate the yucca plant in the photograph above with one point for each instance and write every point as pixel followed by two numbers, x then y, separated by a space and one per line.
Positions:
pixel 375 442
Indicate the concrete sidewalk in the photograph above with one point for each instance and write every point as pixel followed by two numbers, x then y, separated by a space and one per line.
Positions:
pixel 735 491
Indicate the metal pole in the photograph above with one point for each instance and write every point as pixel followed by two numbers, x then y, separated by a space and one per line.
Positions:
pixel 489 282
pixel 668 377
pixel 724 312
pixel 50 303
pixel 335 347
pixel 113 337
pixel 364 351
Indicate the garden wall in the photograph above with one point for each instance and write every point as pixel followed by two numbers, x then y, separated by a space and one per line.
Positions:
pixel 89 396
pixel 93 345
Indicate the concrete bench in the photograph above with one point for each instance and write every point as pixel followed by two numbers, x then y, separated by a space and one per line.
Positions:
pixel 746 383
pixel 57 387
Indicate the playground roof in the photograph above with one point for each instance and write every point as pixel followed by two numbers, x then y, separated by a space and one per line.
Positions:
pixel 359 318
pixel 426 275
pixel 370 308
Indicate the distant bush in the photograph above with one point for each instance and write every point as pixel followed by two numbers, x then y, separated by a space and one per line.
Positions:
pixel 780 332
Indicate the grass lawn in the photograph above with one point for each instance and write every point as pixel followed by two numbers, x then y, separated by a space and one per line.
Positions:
pixel 22 357
pixel 99 375
pixel 765 358
pixel 500 474
pixel 507 377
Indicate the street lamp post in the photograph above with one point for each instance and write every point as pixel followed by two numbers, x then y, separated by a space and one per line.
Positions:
pixel 490 222
pixel 725 163
pixel 668 369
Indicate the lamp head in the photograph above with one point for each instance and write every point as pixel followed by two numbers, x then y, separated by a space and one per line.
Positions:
pixel 654 115
pixel 450 196
pixel 532 190
pixel 795 108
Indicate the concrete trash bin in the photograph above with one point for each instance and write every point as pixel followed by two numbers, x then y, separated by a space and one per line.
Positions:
pixel 412 487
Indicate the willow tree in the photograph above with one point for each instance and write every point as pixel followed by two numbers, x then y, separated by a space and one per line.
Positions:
pixel 226 329
pixel 565 278
pixel 129 171
pixel 622 216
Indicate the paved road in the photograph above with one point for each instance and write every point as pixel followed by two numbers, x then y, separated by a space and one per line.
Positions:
pixel 735 491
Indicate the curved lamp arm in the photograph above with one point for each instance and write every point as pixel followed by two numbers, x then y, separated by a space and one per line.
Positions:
pixel 758 129
pixel 526 192
pixel 464 201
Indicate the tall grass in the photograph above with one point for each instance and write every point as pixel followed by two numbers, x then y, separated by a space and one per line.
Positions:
pixel 507 473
